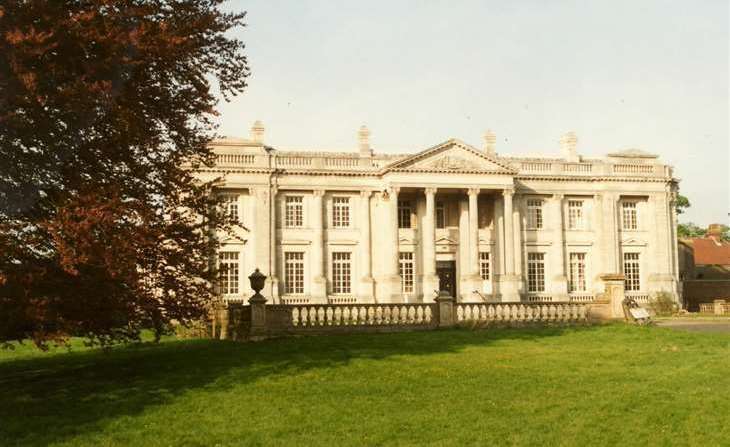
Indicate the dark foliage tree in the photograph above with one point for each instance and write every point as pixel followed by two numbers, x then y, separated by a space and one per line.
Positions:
pixel 105 106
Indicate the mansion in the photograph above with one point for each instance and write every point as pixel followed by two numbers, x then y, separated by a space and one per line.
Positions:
pixel 362 226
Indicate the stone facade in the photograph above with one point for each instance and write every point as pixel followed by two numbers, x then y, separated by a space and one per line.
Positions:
pixel 360 226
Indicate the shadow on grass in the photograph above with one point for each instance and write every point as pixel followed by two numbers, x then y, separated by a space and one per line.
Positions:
pixel 54 398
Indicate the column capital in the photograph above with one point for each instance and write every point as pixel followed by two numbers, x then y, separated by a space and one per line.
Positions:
pixel 473 191
pixel 365 193
pixel 274 190
pixel 430 190
pixel 508 192
pixel 318 192
pixel 558 197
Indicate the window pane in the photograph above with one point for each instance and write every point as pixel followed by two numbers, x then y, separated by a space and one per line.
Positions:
pixel 440 215
pixel 534 214
pixel 340 212
pixel 484 265
pixel 536 272
pixel 294 272
pixel 341 273
pixel 631 272
pixel 577 280
pixel 406 271
pixel 404 214
pixel 228 269
pixel 294 215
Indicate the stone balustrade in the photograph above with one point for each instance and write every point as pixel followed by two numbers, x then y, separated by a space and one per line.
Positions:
pixel 351 162
pixel 522 313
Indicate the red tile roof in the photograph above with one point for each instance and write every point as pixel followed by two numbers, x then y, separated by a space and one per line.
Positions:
pixel 709 252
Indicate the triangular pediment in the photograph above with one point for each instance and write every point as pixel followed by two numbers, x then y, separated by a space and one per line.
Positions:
pixel 445 241
pixel 632 241
pixel 451 156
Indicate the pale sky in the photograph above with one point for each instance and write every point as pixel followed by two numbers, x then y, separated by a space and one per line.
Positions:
pixel 646 74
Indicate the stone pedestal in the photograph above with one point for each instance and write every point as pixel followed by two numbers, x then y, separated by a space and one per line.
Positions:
pixel 319 290
pixel 258 314
pixel 366 290
pixel 614 294
pixel 509 288
pixel 719 307
pixel 430 288
pixel 446 310
pixel 560 288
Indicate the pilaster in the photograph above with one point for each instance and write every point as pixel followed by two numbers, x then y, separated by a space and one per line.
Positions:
pixel 319 281
pixel 366 281
pixel 430 279
pixel 509 281
pixel 560 280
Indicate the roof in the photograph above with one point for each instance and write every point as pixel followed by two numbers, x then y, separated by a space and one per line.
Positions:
pixel 708 251
pixel 632 153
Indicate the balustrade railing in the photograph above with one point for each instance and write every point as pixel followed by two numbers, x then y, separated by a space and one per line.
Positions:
pixel 633 169
pixel 313 316
pixel 522 312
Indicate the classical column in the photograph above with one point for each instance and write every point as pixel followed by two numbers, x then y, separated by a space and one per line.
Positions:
pixel 388 281
pixel 474 233
pixel 597 258
pixel 509 234
pixel 661 278
pixel 263 234
pixel 509 282
pixel 517 223
pixel 560 281
pixel 366 282
pixel 273 279
pixel 430 280
pixel 319 281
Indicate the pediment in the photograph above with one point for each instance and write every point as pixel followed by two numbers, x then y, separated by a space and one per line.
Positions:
pixel 632 241
pixel 451 156
pixel 407 241
pixel 445 241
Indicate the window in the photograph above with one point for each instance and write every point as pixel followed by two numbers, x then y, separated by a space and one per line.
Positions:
pixel 230 206
pixel 404 214
pixel 536 272
pixel 575 215
pixel 484 265
pixel 534 214
pixel 340 212
pixel 405 269
pixel 440 215
pixel 294 272
pixel 631 272
pixel 341 272
pixel 228 267
pixel 577 278
pixel 294 215
pixel 628 216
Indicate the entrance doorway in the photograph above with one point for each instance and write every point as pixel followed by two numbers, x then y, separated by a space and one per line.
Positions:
pixel 446 271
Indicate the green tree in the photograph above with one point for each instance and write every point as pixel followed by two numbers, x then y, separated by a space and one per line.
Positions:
pixel 103 105
pixel 690 230
pixel 682 203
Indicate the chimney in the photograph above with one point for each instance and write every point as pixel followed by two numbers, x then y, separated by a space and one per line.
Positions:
pixel 490 143
pixel 714 231
pixel 257 132
pixel 363 137
pixel 568 142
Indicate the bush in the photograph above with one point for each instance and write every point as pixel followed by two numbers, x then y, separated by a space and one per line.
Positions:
pixel 663 304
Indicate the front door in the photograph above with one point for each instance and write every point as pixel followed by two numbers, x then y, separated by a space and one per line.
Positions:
pixel 446 271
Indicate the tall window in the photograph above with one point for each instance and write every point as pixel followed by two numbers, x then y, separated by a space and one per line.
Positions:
pixel 575 215
pixel 484 265
pixel 294 214
pixel 404 214
pixel 405 269
pixel 534 214
pixel 577 278
pixel 632 272
pixel 440 215
pixel 230 205
pixel 294 272
pixel 536 272
pixel 340 212
pixel 341 273
pixel 228 267
pixel 628 216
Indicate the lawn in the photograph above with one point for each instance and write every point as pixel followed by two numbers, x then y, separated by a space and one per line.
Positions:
pixel 607 385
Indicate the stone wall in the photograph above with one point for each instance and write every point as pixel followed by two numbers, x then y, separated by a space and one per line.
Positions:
pixel 698 291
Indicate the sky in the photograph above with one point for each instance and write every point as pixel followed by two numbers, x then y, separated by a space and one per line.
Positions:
pixel 621 74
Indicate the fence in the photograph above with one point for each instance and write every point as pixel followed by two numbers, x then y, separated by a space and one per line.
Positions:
pixel 718 307
pixel 259 320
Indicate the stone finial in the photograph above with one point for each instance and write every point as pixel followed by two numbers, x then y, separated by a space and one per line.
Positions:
pixel 568 143
pixel 257 132
pixel 363 137
pixel 490 143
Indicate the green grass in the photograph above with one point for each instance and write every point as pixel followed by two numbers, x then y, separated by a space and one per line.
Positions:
pixel 608 385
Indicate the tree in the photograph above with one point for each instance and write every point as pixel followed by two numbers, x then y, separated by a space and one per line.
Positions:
pixel 682 203
pixel 690 230
pixel 106 107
